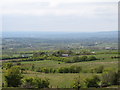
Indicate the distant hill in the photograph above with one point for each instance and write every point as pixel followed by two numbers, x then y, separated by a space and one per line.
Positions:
pixel 52 35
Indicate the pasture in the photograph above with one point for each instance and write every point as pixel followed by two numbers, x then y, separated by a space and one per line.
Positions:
pixel 65 80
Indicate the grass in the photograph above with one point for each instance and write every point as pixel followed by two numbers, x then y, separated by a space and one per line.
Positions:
pixel 58 80
pixel 65 80
pixel 108 63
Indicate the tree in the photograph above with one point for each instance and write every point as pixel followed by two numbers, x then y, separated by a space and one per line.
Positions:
pixel 13 77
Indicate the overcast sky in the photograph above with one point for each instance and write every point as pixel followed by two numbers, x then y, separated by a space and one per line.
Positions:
pixel 60 15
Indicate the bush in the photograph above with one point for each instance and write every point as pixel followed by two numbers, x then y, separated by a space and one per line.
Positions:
pixel 83 58
pixel 91 58
pixel 92 82
pixel 8 65
pixel 110 78
pixel 13 77
pixel 80 59
pixel 35 82
pixel 63 70
pixel 45 70
pixel 72 69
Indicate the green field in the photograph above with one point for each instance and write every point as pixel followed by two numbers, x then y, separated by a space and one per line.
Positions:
pixel 66 80
pixel 34 56
pixel 58 80
pixel 107 62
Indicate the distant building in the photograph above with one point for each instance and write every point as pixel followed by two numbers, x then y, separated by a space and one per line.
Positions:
pixel 65 55
pixel 110 48
pixel 25 55
pixel 93 52
pixel 107 48
pixel 96 43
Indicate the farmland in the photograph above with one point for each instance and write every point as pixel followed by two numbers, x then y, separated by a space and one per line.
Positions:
pixel 61 61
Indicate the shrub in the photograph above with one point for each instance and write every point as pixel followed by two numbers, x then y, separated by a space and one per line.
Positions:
pixel 83 58
pixel 92 82
pixel 72 69
pixel 63 70
pixel 8 65
pixel 110 78
pixel 91 58
pixel 45 70
pixel 35 82
pixel 13 77
pixel 28 83
pixel 80 59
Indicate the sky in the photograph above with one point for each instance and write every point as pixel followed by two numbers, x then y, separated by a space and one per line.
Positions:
pixel 59 15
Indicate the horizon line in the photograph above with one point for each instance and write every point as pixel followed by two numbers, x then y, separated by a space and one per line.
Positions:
pixel 62 31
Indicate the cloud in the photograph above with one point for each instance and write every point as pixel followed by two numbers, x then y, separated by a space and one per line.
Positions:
pixel 60 15
pixel 53 7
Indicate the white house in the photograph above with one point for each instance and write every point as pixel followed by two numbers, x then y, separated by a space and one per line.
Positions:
pixel 65 55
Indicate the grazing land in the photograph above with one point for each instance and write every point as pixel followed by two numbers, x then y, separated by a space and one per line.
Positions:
pixel 61 60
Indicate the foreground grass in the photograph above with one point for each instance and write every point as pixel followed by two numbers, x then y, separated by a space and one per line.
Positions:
pixel 58 80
